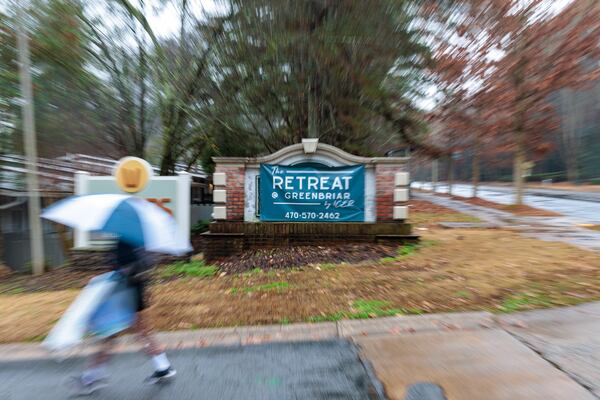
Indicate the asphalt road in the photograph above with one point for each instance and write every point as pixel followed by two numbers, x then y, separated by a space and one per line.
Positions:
pixel 579 207
pixel 311 370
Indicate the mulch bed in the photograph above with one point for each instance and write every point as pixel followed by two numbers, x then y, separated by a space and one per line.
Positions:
pixel 426 206
pixel 298 256
pixel 272 258
pixel 517 210
pixel 5 272
pixel 523 210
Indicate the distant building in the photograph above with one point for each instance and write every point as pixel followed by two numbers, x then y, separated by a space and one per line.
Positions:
pixel 56 181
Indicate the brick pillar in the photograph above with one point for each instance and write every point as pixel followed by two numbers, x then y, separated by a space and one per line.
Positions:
pixel 384 190
pixel 234 187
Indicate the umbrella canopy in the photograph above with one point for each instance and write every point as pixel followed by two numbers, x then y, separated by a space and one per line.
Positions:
pixel 134 220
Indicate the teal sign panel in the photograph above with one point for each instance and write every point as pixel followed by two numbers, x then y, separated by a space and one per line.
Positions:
pixel 312 193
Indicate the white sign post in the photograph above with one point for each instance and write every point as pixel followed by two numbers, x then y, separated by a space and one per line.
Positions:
pixel 171 193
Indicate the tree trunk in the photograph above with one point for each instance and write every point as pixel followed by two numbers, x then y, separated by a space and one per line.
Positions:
pixel 571 116
pixel 572 170
pixel 518 178
pixel 476 169
pixel 312 114
pixel 434 174
pixel 450 173
pixel 167 165
pixel 167 162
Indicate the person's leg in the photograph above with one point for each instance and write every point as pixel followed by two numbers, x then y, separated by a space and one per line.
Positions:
pixel 102 356
pixel 94 376
pixel 144 335
pixel 98 362
pixel 162 366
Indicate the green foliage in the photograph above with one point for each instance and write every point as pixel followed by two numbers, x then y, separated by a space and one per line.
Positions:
pixel 253 272
pixel 196 269
pixel 463 294
pixel 524 301
pixel 327 266
pixel 266 287
pixel 12 290
pixel 362 309
pixel 406 250
pixel 594 181
pixel 292 69
pixel 200 227
pixel 64 87
pixel 372 308
pixel 258 271
pixel 261 77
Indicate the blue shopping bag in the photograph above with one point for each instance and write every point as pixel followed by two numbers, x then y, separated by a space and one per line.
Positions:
pixel 115 313
pixel 72 327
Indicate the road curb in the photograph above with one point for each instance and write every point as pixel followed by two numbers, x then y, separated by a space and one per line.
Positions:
pixel 252 335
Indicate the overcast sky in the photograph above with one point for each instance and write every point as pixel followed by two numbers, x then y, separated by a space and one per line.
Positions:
pixel 166 22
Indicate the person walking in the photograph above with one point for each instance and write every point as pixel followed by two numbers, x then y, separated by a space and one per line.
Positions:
pixel 134 264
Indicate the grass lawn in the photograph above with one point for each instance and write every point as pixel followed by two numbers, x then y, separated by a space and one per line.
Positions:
pixel 451 270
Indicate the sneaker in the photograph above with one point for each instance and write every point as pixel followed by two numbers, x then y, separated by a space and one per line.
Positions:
pixel 160 376
pixel 79 387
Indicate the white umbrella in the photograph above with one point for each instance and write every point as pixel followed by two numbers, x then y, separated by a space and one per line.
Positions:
pixel 134 220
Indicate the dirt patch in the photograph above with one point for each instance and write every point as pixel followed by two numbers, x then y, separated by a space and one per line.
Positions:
pixel 592 227
pixel 29 316
pixel 59 279
pixel 425 213
pixel 557 185
pixel 566 186
pixel 523 210
pixel 5 272
pixel 452 270
pixel 290 257
pixel 428 207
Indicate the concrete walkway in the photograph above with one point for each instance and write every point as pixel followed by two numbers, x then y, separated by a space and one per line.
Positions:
pixel 482 364
pixel 552 229
pixel 566 337
pixel 546 354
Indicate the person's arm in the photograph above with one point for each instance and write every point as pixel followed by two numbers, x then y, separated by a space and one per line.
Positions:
pixel 143 264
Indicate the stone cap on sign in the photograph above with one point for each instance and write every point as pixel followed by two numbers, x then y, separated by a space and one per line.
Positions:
pixel 309 150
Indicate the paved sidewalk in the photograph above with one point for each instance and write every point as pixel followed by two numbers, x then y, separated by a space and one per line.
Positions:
pixel 276 371
pixel 251 335
pixel 567 337
pixel 553 229
pixel 482 364
pixel 545 354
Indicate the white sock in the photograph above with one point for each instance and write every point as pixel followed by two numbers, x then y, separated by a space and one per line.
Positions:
pixel 161 362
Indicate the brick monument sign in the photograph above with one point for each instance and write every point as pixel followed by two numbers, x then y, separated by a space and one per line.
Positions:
pixel 307 193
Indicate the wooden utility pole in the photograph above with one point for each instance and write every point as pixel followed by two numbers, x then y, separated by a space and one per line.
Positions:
pixel 33 194
pixel 434 174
